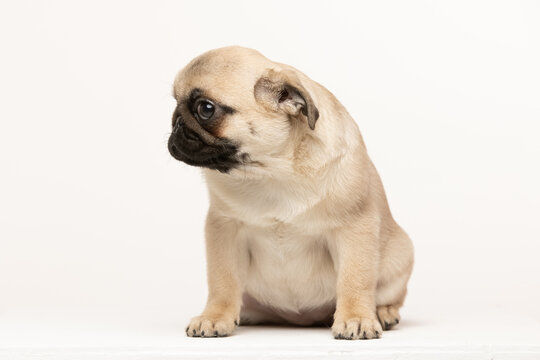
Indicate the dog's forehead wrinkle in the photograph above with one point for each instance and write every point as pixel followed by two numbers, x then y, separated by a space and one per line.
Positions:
pixel 221 68
pixel 195 92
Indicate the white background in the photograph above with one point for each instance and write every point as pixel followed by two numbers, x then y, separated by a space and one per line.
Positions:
pixel 98 222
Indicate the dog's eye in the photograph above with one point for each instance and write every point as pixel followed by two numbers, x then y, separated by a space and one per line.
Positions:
pixel 205 109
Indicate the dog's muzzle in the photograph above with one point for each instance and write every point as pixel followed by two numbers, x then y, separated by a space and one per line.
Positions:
pixel 192 144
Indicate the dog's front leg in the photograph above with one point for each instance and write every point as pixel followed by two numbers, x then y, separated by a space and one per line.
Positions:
pixel 355 251
pixel 227 261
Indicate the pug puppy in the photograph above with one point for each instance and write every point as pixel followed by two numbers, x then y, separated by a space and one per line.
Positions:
pixel 299 230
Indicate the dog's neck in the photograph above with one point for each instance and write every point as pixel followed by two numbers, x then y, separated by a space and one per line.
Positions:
pixel 284 194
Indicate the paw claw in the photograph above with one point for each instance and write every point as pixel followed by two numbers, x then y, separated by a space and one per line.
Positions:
pixel 356 328
pixel 388 315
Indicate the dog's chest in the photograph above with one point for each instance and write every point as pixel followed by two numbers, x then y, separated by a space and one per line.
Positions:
pixel 289 269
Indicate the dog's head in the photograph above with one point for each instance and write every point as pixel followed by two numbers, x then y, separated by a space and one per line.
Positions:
pixel 235 108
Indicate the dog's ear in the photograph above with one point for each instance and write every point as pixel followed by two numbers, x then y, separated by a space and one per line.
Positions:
pixel 283 91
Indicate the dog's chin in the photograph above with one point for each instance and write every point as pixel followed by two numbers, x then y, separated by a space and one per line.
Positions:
pixel 221 157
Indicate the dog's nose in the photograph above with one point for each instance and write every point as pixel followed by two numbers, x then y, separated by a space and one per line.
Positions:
pixel 177 124
pixel 184 140
pixel 186 133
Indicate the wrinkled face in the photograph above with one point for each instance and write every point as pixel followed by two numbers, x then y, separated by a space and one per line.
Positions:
pixel 196 137
pixel 234 112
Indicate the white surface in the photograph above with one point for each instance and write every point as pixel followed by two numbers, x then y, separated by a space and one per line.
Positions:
pixel 101 230
pixel 492 332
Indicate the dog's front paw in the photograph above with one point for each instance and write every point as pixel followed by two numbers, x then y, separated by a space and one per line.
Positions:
pixel 211 326
pixel 356 328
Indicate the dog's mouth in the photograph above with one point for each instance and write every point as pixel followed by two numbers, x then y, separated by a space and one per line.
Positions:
pixel 202 149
